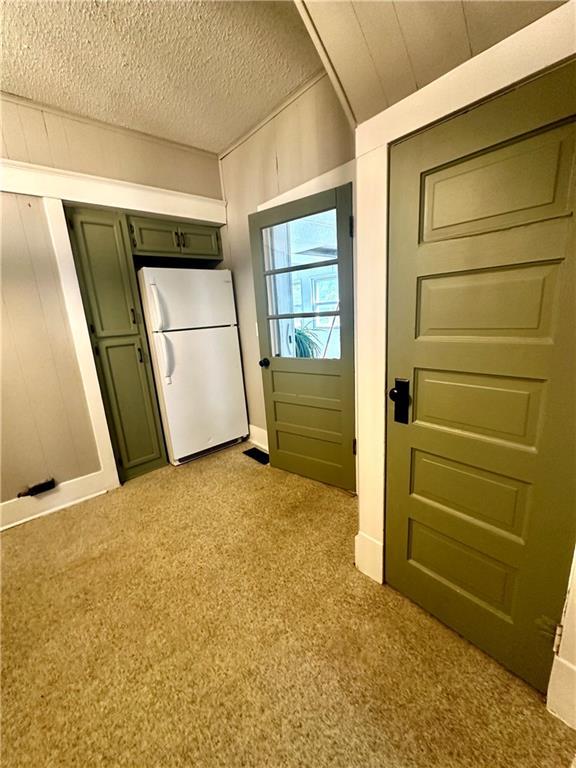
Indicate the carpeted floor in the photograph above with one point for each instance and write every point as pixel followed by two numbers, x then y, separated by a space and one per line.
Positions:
pixel 211 616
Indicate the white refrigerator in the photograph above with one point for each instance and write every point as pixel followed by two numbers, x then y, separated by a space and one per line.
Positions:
pixel 192 329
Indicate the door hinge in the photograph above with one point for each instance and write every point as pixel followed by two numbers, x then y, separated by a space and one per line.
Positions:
pixel 550 629
pixel 557 638
pixel 70 224
pixel 96 351
pixel 351 226
pixel 354 445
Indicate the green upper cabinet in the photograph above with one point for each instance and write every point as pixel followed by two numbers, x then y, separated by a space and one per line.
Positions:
pixel 159 237
pixel 200 241
pixel 101 252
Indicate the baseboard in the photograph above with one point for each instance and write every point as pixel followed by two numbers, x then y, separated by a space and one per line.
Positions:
pixel 369 556
pixel 259 437
pixel 561 698
pixel 18 511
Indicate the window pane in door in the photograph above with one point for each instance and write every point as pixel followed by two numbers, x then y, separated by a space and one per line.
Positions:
pixel 316 337
pixel 302 241
pixel 314 289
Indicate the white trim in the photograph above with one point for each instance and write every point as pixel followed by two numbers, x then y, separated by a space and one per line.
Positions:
pixel 541 44
pixel 42 181
pixel 18 511
pixel 343 174
pixel 369 554
pixel 259 437
pixel 547 41
pixel 326 61
pixel 561 697
pixel 56 220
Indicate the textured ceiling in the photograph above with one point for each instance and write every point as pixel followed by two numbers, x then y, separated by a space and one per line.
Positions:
pixel 200 73
pixel 383 51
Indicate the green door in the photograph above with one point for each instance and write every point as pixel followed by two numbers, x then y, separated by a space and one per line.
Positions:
pixel 118 337
pixel 303 273
pixel 480 522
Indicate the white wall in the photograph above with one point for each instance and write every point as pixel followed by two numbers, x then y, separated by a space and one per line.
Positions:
pixel 540 45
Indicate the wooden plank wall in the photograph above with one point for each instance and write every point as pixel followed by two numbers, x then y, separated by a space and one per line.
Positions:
pixel 310 136
pixel 46 428
pixel 35 134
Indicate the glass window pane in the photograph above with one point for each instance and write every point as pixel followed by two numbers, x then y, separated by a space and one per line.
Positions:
pixel 307 290
pixel 311 337
pixel 307 240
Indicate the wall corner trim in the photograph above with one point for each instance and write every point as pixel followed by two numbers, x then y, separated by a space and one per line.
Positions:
pixel 369 556
pixel 561 698
pixel 326 61
pixel 259 437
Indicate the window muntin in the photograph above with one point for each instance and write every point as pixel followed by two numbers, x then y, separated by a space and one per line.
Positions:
pixel 301 278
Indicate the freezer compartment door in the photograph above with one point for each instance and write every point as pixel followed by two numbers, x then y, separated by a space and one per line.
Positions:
pixel 199 375
pixel 188 298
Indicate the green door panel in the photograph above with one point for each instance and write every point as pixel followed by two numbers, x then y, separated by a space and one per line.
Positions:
pixel 480 484
pixel 154 236
pixel 130 393
pixel 115 319
pixel 303 276
pixel 202 242
pixel 106 271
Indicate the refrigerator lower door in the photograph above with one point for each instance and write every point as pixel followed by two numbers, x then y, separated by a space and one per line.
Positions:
pixel 199 378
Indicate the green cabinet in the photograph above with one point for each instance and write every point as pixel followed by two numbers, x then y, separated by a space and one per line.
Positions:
pixel 132 402
pixel 159 237
pixel 154 236
pixel 113 311
pixel 106 272
pixel 200 241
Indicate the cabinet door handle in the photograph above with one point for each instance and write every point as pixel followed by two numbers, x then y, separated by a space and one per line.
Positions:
pixel 182 240
pixel 176 239
pixel 133 314
pixel 140 358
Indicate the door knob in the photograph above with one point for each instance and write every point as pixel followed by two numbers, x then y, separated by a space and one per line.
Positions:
pixel 400 396
pixel 264 363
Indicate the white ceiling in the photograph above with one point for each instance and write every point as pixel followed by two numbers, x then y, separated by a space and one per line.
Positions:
pixel 200 73
pixel 383 51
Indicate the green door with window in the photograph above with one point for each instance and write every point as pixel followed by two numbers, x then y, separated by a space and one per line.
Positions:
pixel 303 275
pixel 481 450
pixel 115 321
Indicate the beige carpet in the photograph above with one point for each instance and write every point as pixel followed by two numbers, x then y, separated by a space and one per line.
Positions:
pixel 211 615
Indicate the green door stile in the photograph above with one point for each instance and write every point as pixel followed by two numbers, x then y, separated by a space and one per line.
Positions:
pixel 480 480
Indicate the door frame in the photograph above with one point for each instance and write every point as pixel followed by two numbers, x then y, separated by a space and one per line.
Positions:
pixel 56 187
pixel 541 46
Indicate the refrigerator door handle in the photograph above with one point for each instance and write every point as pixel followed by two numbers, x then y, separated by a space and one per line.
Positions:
pixel 157 307
pixel 166 358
